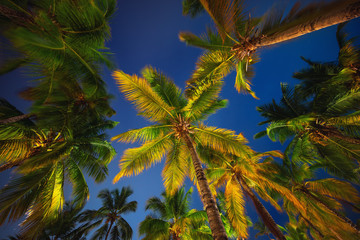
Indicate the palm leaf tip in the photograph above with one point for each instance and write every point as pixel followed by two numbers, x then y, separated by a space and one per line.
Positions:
pixel 139 92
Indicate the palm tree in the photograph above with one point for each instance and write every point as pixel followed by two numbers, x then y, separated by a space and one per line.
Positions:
pixel 238 38
pixel 171 217
pixel 114 205
pixel 320 114
pixel 176 133
pixel 324 131
pixel 241 175
pixel 62 45
pixel 322 199
pixel 46 158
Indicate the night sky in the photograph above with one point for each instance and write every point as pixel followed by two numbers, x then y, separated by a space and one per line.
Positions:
pixel 146 33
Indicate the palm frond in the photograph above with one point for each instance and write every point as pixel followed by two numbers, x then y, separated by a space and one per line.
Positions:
pixel 164 87
pixel 154 228
pixel 209 41
pixel 139 92
pixel 135 160
pixel 241 83
pixel 211 68
pixel 235 206
pixel 175 169
pixel 80 188
pixel 225 14
pixel 142 134
pixel 222 140
pixel 334 188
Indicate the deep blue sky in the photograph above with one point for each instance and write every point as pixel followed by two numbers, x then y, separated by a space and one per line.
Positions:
pixel 146 33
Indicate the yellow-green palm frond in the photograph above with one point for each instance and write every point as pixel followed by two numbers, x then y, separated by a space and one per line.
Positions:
pixel 135 160
pixel 220 139
pixel 144 134
pixel 48 204
pixel 349 119
pixel 225 14
pixel 16 142
pixel 203 98
pixel 176 167
pixel 164 87
pixel 235 206
pixel 211 68
pixel 286 193
pixel 80 191
pixel 139 92
pixel 242 84
pixel 335 188
pixel 217 177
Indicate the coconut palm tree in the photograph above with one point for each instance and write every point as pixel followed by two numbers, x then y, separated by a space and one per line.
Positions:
pixel 176 133
pixel 243 176
pixel 323 131
pixel 114 205
pixel 61 34
pixel 321 113
pixel 171 217
pixel 45 159
pixel 62 45
pixel 239 35
pixel 322 199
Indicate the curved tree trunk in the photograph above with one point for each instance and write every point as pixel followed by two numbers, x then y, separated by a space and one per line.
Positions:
pixel 108 231
pixel 261 210
pixel 16 118
pixel 216 225
pixel 345 10
pixel 333 211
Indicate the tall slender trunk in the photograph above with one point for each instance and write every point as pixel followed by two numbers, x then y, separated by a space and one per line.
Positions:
pixel 261 210
pixel 108 231
pixel 333 211
pixel 312 225
pixel 16 118
pixel 347 10
pixel 216 225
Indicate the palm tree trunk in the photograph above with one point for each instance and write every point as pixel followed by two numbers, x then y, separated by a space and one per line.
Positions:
pixel 345 10
pixel 333 211
pixel 216 225
pixel 108 231
pixel 16 118
pixel 261 210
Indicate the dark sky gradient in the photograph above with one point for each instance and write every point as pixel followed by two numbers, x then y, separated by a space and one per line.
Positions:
pixel 146 33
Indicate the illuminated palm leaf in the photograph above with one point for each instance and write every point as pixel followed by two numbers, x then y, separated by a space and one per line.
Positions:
pixel 178 134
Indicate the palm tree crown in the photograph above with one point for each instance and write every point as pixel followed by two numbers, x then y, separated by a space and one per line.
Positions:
pixel 239 36
pixel 114 205
pixel 176 132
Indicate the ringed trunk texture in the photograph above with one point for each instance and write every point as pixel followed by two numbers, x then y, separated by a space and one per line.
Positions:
pixel 261 210
pixel 15 119
pixel 216 225
pixel 333 211
pixel 348 9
